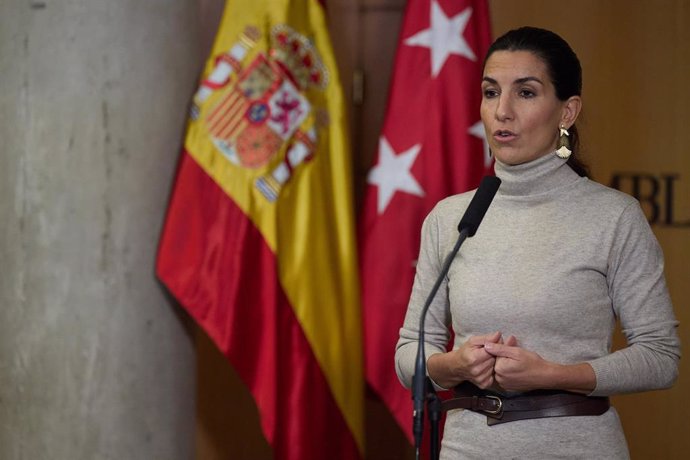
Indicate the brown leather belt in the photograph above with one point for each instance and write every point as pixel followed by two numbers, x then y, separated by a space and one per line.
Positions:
pixel 534 404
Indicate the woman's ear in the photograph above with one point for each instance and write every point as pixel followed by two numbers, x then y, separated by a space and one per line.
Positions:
pixel 571 109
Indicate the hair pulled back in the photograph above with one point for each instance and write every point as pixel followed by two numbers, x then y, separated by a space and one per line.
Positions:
pixel 562 65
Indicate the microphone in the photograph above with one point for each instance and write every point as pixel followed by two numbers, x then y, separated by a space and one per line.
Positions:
pixel 467 227
pixel 479 205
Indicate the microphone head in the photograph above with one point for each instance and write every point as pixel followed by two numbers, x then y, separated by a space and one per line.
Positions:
pixel 479 205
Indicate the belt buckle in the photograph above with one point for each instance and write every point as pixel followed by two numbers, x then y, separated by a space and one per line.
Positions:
pixel 499 409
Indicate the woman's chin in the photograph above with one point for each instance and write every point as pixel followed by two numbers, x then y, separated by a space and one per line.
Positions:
pixel 514 157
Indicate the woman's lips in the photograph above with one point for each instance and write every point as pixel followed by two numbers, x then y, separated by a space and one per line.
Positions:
pixel 504 135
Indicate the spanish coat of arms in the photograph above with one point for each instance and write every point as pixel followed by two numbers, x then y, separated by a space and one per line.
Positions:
pixel 261 106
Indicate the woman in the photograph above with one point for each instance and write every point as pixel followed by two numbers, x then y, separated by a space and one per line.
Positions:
pixel 533 297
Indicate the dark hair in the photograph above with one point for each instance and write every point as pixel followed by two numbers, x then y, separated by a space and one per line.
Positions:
pixel 562 65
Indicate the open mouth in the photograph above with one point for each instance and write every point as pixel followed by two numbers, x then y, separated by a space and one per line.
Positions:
pixel 504 135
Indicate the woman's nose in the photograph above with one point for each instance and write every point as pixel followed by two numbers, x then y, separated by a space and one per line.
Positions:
pixel 504 110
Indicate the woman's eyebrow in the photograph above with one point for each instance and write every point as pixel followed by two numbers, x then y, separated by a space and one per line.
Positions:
pixel 526 79
pixel 517 81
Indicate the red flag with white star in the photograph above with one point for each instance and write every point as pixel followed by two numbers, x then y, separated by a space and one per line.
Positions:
pixel 432 146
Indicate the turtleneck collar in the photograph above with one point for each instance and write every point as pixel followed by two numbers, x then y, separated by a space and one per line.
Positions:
pixel 543 175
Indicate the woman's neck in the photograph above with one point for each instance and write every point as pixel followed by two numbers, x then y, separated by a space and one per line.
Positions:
pixel 542 175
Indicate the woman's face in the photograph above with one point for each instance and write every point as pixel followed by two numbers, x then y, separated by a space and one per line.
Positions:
pixel 520 110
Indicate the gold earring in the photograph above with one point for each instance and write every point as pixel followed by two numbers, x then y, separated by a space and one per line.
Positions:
pixel 563 150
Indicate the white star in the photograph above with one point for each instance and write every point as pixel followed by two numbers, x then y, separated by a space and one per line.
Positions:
pixel 477 130
pixel 444 37
pixel 393 173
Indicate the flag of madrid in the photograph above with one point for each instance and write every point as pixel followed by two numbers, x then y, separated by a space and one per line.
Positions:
pixel 432 145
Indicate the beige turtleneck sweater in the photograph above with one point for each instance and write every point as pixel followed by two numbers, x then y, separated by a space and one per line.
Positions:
pixel 557 259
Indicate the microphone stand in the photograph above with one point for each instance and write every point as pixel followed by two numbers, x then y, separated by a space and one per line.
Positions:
pixel 422 388
pixel 434 406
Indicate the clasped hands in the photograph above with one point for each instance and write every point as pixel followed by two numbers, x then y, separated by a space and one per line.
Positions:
pixel 489 361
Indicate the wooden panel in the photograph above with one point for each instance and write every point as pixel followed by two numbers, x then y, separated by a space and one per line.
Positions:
pixel 344 26
pixel 228 423
pixel 381 23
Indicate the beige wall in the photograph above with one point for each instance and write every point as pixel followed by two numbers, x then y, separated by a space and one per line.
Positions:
pixel 636 62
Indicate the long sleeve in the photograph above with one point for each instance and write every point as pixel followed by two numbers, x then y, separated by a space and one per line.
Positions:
pixel 642 304
pixel 429 265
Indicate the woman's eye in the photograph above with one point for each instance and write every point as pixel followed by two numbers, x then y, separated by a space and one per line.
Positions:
pixel 489 93
pixel 526 93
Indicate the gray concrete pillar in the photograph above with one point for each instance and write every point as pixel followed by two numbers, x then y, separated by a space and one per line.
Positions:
pixel 95 363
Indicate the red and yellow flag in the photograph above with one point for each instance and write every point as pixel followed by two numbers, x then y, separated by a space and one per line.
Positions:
pixel 258 243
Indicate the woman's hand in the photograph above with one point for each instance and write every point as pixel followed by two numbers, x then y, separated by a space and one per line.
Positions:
pixel 518 369
pixel 469 362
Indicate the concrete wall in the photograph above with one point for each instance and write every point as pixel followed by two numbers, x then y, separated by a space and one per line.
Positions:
pixel 95 362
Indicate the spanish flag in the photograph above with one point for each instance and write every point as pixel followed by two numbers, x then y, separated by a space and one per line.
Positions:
pixel 258 244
